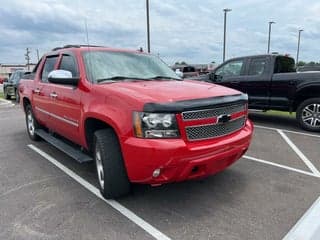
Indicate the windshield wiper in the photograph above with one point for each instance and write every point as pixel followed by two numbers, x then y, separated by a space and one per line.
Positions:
pixel 113 79
pixel 123 78
pixel 165 77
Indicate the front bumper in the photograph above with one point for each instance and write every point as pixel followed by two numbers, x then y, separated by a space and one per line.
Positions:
pixel 180 160
pixel 11 90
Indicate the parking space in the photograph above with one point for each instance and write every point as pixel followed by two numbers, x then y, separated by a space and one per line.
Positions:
pixel 261 196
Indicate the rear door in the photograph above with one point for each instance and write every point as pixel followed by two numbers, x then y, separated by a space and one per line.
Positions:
pixel 284 81
pixel 256 82
pixel 66 107
pixel 41 92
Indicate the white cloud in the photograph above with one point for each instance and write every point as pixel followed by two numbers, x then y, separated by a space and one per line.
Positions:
pixel 180 30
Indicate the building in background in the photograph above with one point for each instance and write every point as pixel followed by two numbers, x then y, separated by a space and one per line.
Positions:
pixel 7 69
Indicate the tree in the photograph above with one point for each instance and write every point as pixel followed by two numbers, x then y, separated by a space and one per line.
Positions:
pixel 301 63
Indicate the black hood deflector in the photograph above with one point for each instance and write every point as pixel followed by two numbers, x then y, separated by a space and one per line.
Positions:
pixel 194 104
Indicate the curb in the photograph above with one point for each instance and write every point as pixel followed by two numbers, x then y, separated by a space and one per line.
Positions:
pixel 308 227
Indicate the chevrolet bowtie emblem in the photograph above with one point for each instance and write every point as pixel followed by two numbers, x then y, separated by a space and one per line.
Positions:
pixel 223 118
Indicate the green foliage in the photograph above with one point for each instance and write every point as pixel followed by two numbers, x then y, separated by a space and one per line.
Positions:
pixel 180 63
pixel 301 63
pixel 312 63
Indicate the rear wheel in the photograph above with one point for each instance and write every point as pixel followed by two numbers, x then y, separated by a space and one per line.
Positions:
pixel 111 171
pixel 32 124
pixel 308 114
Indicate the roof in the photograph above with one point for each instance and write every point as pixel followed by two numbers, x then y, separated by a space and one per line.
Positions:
pixel 86 48
pixel 261 55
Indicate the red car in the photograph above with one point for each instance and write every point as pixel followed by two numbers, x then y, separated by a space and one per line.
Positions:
pixel 130 112
pixel 2 79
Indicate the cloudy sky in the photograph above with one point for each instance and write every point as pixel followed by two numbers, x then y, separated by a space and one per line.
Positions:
pixel 181 30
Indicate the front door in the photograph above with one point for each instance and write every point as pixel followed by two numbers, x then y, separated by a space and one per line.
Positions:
pixel 230 74
pixel 66 103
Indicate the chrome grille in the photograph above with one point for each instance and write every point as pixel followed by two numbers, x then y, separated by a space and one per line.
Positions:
pixel 214 130
pixel 209 113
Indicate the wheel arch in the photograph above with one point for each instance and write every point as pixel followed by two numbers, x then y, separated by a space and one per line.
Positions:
pixel 304 93
pixel 26 102
pixel 92 124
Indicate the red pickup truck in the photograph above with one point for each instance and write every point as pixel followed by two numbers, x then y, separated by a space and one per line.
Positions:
pixel 133 116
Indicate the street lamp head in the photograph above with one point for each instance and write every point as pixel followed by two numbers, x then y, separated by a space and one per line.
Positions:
pixel 300 30
pixel 271 22
pixel 227 10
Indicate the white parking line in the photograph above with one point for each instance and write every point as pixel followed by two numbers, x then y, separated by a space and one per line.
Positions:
pixel 116 205
pixel 308 227
pixel 299 153
pixel 5 101
pixel 285 130
pixel 280 166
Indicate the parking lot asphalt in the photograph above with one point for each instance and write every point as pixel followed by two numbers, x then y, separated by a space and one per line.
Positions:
pixel 252 199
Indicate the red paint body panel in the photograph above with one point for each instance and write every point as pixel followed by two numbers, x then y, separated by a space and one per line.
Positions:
pixel 115 103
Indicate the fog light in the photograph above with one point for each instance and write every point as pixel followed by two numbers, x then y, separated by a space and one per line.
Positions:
pixel 156 173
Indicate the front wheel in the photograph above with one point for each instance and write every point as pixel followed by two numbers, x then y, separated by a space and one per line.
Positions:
pixel 17 96
pixel 32 124
pixel 111 171
pixel 308 114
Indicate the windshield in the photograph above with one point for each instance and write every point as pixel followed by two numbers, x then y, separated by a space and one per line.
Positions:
pixel 104 66
pixel 16 76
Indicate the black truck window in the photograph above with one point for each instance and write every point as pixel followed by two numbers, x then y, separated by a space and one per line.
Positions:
pixel 233 68
pixel 284 65
pixel 257 66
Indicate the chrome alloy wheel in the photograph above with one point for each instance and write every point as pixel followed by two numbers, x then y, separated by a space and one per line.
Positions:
pixel 30 123
pixel 311 115
pixel 99 166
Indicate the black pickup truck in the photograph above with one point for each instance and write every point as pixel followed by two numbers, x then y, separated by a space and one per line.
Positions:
pixel 272 83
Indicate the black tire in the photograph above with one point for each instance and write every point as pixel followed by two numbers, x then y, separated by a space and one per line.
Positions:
pixel 308 114
pixel 108 159
pixel 17 96
pixel 32 124
pixel 5 93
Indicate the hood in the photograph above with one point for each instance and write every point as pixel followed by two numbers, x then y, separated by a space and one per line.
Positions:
pixel 169 91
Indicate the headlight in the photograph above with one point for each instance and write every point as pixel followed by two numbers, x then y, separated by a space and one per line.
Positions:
pixel 155 125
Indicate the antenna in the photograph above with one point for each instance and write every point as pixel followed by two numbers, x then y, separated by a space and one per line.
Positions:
pixel 88 46
pixel 87 34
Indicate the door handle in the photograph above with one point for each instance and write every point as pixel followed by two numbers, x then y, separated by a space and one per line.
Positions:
pixel 53 95
pixel 36 91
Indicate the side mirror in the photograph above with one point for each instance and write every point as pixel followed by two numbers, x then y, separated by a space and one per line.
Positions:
pixel 62 77
pixel 214 77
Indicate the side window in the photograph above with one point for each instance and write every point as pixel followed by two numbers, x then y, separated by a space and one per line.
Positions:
pixel 48 67
pixel 68 63
pixel 284 65
pixel 233 68
pixel 257 66
pixel 36 67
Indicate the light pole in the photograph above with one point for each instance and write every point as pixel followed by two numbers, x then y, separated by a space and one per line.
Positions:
pixel 270 23
pixel 224 32
pixel 298 49
pixel 148 25
pixel 27 57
